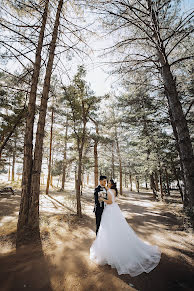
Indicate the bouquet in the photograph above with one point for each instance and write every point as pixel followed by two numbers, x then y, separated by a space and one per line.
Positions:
pixel 103 195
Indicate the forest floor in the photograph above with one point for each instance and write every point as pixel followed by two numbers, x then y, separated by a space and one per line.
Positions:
pixel 61 262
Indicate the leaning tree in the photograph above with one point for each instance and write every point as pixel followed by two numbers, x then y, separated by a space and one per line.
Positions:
pixel 150 35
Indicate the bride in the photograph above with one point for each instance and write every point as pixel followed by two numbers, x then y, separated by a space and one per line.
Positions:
pixel 118 245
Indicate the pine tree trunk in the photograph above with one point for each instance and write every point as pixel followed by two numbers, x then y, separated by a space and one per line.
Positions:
pixel 9 170
pixel 1 142
pixel 120 163
pixel 78 188
pixel 13 161
pixel 160 178
pixel 96 154
pixel 13 168
pixel 126 183
pixel 96 163
pixel 177 178
pixel 185 198
pixel 131 184
pixel 113 162
pixel 146 183
pixel 34 180
pixel 156 181
pixel 153 186
pixel 65 156
pixel 184 141
pixel 50 151
pixel 137 183
pixel 80 147
pixel 35 185
pixel 120 177
pixel 178 117
pixel 82 181
pixel 167 182
pixel 28 139
pixel 51 181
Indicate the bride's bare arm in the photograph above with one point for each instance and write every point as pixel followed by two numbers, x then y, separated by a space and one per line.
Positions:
pixel 108 201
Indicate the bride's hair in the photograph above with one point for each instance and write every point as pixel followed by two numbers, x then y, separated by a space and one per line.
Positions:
pixel 114 186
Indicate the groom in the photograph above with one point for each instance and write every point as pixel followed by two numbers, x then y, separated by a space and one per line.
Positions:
pixel 99 206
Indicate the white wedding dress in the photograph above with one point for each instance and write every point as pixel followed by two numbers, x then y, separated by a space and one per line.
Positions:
pixel 118 245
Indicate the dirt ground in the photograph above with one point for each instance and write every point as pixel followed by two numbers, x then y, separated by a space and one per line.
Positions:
pixel 61 261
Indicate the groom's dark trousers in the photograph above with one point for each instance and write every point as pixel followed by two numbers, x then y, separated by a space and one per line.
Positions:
pixel 98 208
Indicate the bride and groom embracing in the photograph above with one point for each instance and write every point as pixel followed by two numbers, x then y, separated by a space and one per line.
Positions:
pixel 116 243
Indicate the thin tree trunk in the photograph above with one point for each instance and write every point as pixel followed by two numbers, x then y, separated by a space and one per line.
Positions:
pixel 146 183
pixel 120 177
pixel 75 179
pixel 78 188
pixel 9 170
pixel 51 181
pixel 137 183
pixel 113 162
pixel 95 153
pixel 58 181
pixel 96 158
pixel 167 182
pixel 28 139
pixel 95 164
pixel 1 142
pixel 81 186
pixel 13 161
pixel 131 184
pixel 156 181
pixel 177 178
pixel 65 156
pixel 160 178
pixel 126 183
pixel 153 186
pixel 80 147
pixel 120 163
pixel 50 151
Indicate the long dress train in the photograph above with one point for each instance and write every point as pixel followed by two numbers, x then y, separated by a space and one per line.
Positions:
pixel 118 245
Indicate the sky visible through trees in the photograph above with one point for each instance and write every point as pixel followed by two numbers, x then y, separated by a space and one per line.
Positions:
pixel 96 87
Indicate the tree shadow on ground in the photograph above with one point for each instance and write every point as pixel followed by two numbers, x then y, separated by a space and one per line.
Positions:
pixel 70 258
pixel 25 269
pixel 171 274
pixel 9 205
pixel 64 254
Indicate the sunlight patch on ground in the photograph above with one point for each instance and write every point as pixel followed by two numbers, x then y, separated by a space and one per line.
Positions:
pixel 5 219
pixel 6 247
pixel 66 239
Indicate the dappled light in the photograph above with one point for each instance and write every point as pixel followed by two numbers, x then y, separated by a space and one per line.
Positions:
pixel 96 145
pixel 66 241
